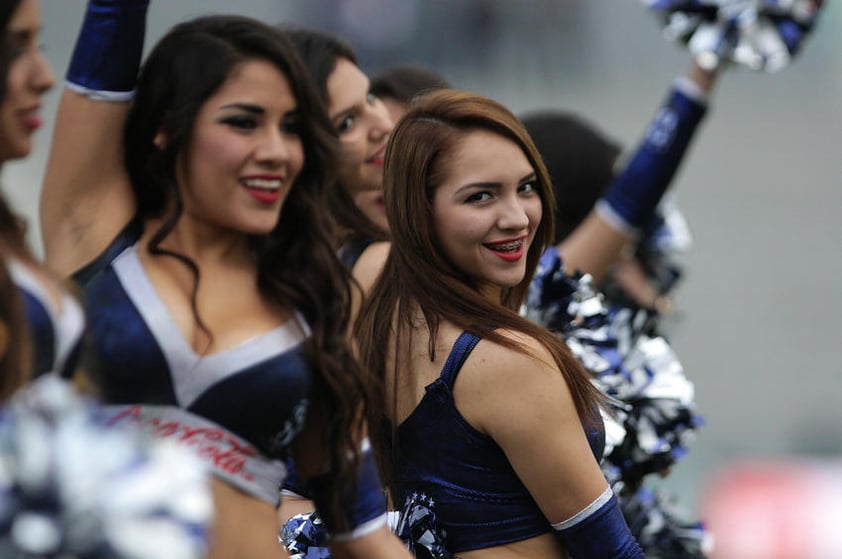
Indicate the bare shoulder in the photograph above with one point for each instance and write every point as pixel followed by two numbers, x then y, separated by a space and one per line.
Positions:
pixel 530 358
pixel 497 382
pixel 370 263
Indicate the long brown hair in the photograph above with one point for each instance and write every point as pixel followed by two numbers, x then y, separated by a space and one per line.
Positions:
pixel 417 274
pixel 16 359
pixel 320 51
pixel 15 353
pixel 12 226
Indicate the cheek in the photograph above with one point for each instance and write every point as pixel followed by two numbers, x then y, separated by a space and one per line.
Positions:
pixel 220 150
pixel 535 211
pixel 353 150
pixel 208 162
pixel 455 229
pixel 15 83
pixel 297 158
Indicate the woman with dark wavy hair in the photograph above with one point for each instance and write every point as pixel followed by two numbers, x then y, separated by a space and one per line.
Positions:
pixel 493 418
pixel 53 317
pixel 362 124
pixel 218 309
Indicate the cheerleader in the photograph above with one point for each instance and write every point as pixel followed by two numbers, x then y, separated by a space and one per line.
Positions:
pixel 193 221
pixel 53 316
pixel 493 418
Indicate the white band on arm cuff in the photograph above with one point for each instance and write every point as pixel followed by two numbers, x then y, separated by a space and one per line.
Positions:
pixel 363 529
pixel 604 210
pixel 585 512
pixel 98 95
pixel 689 88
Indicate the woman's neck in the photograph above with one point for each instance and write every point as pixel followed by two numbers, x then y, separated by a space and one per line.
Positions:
pixel 200 241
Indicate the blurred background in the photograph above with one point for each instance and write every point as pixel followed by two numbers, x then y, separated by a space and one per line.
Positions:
pixel 759 321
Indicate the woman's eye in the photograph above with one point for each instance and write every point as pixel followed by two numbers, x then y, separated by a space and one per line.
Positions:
pixel 291 125
pixel 479 197
pixel 345 124
pixel 528 187
pixel 241 122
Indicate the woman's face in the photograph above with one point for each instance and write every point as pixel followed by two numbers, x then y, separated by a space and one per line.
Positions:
pixel 487 210
pixel 245 152
pixel 29 77
pixel 363 125
pixel 373 205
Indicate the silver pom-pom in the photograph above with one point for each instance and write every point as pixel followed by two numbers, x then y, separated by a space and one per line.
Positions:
pixel 71 487
pixel 760 34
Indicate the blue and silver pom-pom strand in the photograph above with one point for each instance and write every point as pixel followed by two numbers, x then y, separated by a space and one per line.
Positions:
pixel 759 34
pixel 71 487
pixel 662 527
pixel 305 535
pixel 659 417
pixel 654 400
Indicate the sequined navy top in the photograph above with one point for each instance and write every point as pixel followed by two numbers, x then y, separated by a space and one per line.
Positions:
pixel 479 498
pixel 258 390
pixel 55 335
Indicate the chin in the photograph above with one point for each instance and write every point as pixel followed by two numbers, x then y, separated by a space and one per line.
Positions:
pixel 510 282
pixel 383 223
pixel 10 153
pixel 257 227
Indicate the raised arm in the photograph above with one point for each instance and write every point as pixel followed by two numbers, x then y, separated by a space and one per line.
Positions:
pixel 86 197
pixel 629 202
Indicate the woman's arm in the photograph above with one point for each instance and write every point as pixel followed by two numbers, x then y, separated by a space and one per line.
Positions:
pixel 524 404
pixel 366 535
pixel 86 197
pixel 380 544
pixel 629 202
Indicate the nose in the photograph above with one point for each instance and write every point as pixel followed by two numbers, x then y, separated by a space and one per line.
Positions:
pixel 512 215
pixel 273 149
pixel 41 75
pixel 381 121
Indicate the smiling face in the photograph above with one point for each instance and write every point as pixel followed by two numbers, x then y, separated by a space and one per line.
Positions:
pixel 245 152
pixel 487 210
pixel 363 125
pixel 29 77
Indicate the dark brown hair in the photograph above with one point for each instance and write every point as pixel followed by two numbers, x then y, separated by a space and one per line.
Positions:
pixel 580 160
pixel 405 83
pixel 11 225
pixel 320 52
pixel 15 358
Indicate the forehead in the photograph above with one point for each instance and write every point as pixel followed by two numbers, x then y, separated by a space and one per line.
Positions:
pixel 347 85
pixel 485 156
pixel 256 81
pixel 26 15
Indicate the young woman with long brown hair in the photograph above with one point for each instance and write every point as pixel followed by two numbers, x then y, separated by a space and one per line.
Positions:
pixel 492 416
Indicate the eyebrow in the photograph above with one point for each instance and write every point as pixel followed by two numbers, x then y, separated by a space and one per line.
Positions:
pixel 22 34
pixel 523 179
pixel 247 107
pixel 351 110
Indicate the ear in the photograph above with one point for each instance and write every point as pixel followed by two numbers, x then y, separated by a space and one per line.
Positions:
pixel 160 139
